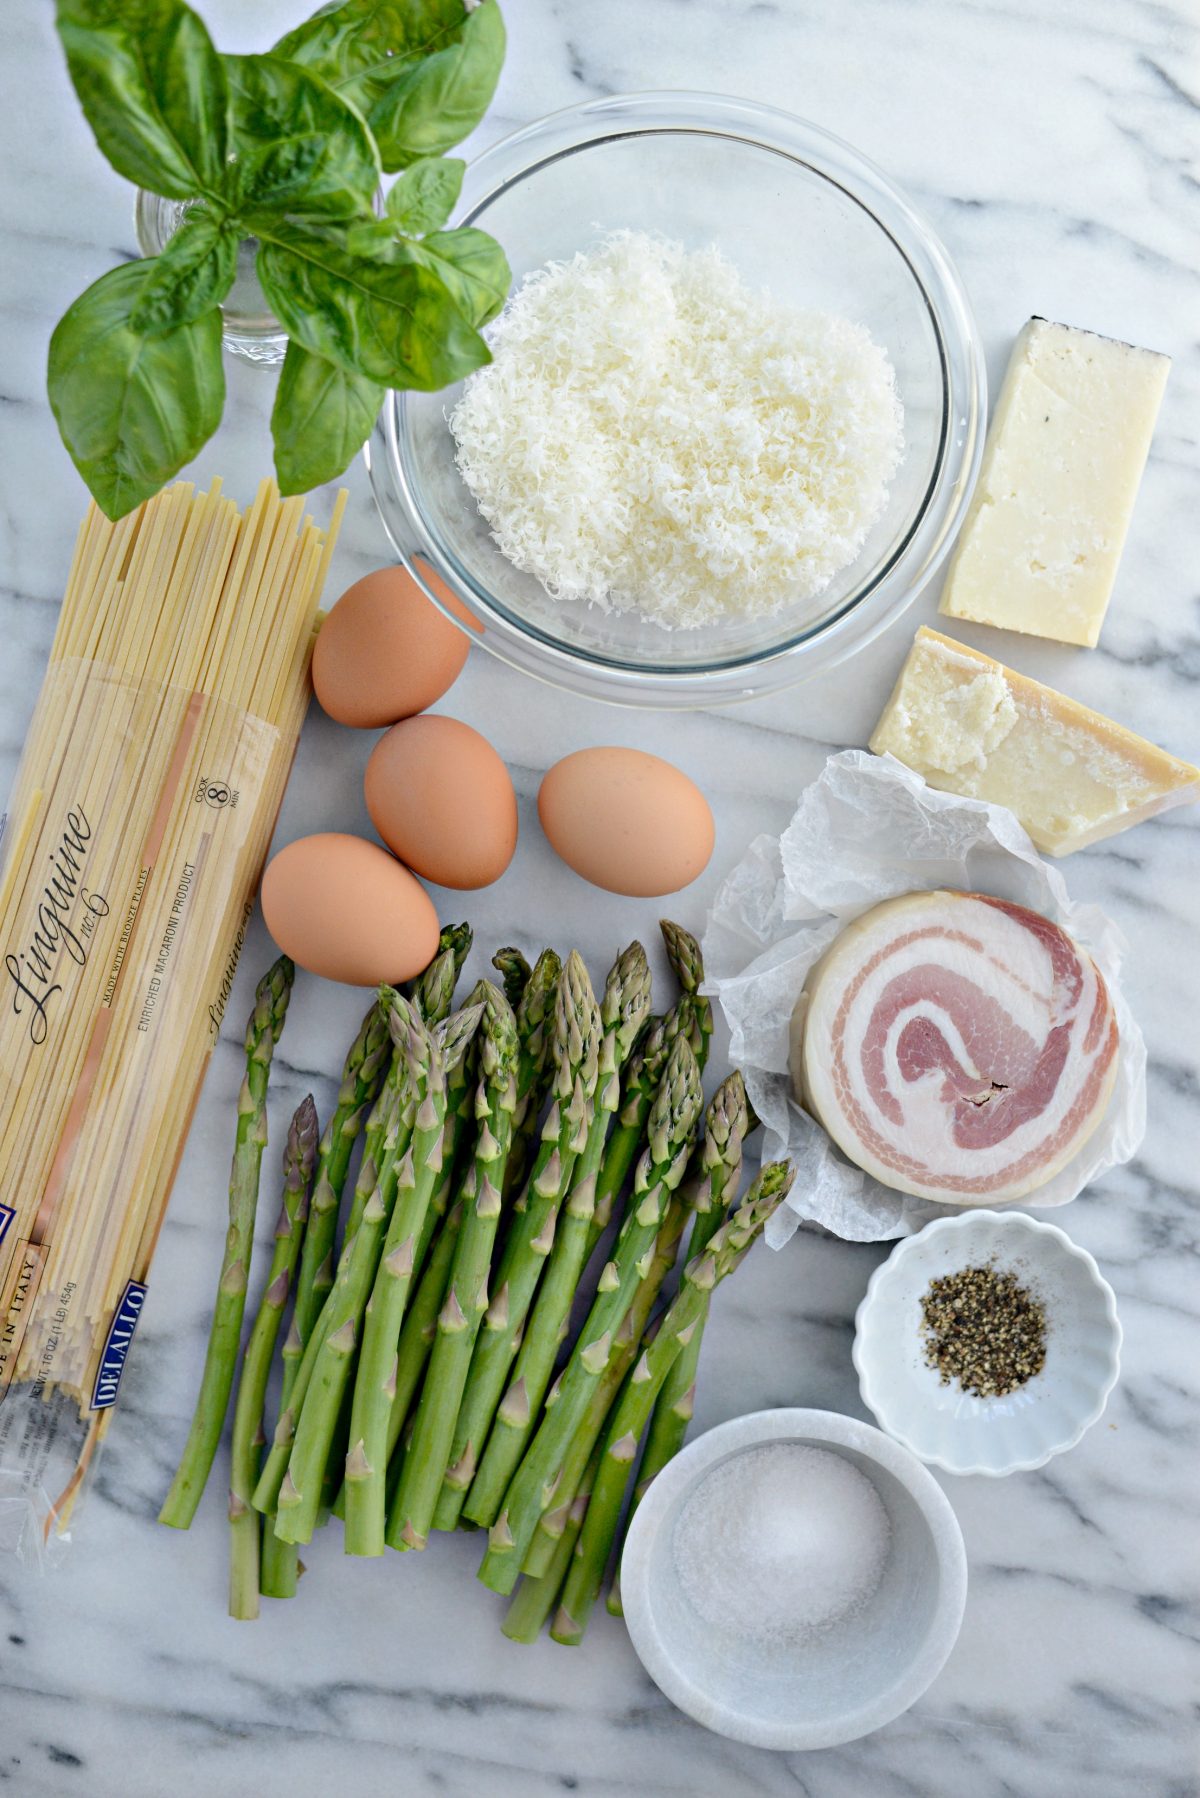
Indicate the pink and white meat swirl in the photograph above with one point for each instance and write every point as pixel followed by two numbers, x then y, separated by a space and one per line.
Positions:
pixel 958 1047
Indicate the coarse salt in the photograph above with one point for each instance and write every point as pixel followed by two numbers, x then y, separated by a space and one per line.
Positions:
pixel 780 1541
pixel 654 434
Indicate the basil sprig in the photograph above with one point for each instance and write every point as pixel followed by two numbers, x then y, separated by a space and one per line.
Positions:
pixel 421 72
pixel 287 149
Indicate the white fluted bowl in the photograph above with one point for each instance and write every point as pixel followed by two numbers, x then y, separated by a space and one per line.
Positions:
pixel 951 1428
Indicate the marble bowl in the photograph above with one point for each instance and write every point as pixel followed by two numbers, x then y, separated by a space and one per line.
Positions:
pixel 800 213
pixel 835 1684
pixel 951 1428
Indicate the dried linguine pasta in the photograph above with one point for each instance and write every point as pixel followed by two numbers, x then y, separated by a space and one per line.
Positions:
pixel 145 800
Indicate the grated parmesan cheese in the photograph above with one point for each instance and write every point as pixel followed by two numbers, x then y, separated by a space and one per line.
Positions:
pixel 653 434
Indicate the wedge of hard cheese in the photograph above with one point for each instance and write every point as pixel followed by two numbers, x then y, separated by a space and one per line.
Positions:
pixel 1061 471
pixel 972 726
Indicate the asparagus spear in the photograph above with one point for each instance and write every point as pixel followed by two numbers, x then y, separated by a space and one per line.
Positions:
pixel 417 1338
pixel 433 991
pixel 672 1120
pixel 328 1362
pixel 366 1464
pixel 262 1033
pixel 458 937
pixel 428 1454
pixel 381 1116
pixel 624 1352
pixel 683 953
pixel 535 1069
pixel 456 1038
pixel 555 1520
pixel 432 995
pixel 729 1121
pixel 695 1194
pixel 725 1251
pixel 384 1124
pixel 279 1568
pixel 333 1485
pixel 537 1595
pixel 389 1128
pixel 434 1257
pixel 694 1191
pixel 575 1047
pixel 362 1076
pixel 245 1524
pixel 626 1001
pixel 515 972
pixel 641 1083
pixel 416 1343
pixel 420 1320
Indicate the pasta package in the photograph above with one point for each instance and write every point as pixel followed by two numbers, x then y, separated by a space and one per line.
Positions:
pixel 145 800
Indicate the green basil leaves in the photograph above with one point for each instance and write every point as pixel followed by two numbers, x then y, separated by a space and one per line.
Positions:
pixel 423 198
pixel 474 269
pixel 360 46
pixel 422 72
pixel 435 105
pixel 152 89
pixel 392 321
pixel 193 274
pixel 133 406
pixel 470 264
pixel 323 415
pixel 283 150
pixel 296 145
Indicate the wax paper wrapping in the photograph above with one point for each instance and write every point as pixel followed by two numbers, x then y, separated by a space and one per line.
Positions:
pixel 869 829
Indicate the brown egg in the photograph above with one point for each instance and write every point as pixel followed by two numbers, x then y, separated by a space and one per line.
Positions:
pixel 385 651
pixel 341 907
pixel 626 821
pixel 440 796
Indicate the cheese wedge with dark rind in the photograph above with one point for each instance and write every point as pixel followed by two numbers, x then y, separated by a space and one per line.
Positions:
pixel 969 725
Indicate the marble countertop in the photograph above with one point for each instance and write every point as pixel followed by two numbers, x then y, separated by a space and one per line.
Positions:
pixel 1050 147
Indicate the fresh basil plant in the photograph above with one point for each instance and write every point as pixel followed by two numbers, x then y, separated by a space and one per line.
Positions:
pixel 288 149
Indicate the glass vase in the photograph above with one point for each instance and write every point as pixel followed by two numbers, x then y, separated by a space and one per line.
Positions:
pixel 250 327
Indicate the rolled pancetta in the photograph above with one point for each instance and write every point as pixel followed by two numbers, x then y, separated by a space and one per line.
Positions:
pixel 957 1047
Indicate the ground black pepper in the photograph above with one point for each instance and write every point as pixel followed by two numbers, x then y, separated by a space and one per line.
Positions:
pixel 984 1330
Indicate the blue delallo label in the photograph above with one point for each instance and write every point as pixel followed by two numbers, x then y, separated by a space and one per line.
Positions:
pixel 6 1218
pixel 112 1362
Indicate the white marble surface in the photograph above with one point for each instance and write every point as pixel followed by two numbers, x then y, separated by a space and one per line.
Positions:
pixel 1054 147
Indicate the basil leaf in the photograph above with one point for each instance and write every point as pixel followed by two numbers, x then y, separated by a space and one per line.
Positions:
pixel 322 416
pixel 371 238
pixel 470 264
pixel 424 196
pixel 473 267
pixel 362 46
pixel 132 408
pixel 392 321
pixel 297 146
pixel 192 273
pixel 440 101
pixel 152 89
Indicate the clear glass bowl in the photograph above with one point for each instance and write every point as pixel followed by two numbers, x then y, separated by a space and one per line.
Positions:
pixel 798 212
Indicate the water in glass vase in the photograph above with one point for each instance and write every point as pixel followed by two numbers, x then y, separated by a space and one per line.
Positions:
pixel 250 328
